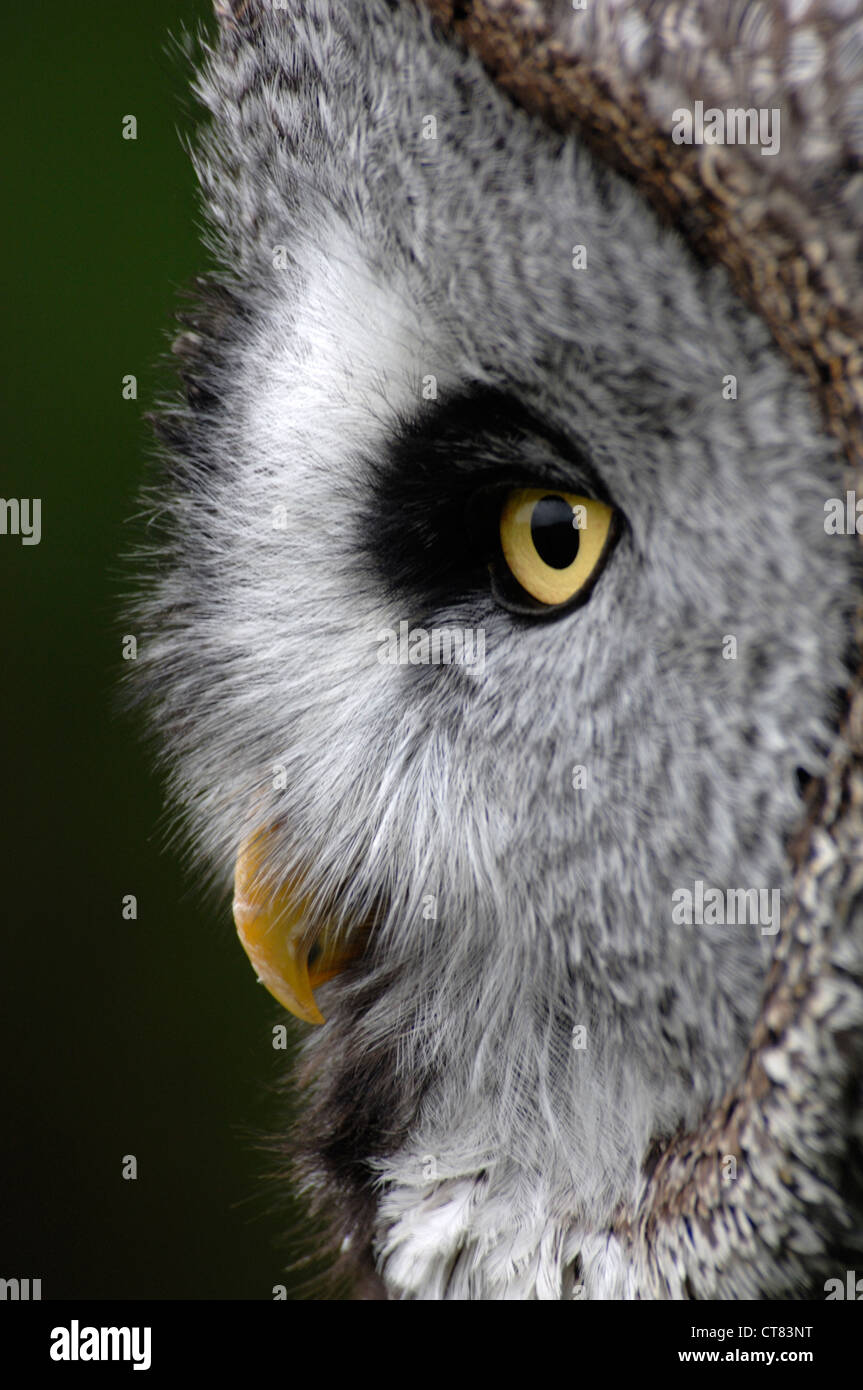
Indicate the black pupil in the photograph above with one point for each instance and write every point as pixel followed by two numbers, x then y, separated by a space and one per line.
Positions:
pixel 553 533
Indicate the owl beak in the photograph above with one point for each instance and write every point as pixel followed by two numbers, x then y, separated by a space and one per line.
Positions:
pixel 274 931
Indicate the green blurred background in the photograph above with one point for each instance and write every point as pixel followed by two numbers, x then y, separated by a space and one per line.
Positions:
pixel 145 1037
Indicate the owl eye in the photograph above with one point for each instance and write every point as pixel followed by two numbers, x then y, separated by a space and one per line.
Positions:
pixel 554 543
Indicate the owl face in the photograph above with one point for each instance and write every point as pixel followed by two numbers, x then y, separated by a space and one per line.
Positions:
pixel 455 379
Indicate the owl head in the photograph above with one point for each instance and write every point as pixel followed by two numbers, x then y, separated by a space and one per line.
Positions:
pixel 492 619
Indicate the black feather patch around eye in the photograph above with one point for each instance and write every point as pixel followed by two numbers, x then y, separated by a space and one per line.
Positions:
pixel 431 526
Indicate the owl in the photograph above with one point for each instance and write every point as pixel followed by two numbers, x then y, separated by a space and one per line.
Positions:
pixel 497 647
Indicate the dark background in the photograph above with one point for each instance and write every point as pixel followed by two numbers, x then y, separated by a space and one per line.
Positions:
pixel 145 1037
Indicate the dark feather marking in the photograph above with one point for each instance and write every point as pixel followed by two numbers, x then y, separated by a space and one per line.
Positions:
pixel 357 1108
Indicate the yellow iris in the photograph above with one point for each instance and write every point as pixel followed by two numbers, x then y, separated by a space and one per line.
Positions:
pixel 553 542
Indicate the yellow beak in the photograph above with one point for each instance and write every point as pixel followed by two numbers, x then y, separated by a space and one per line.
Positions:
pixel 274 930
